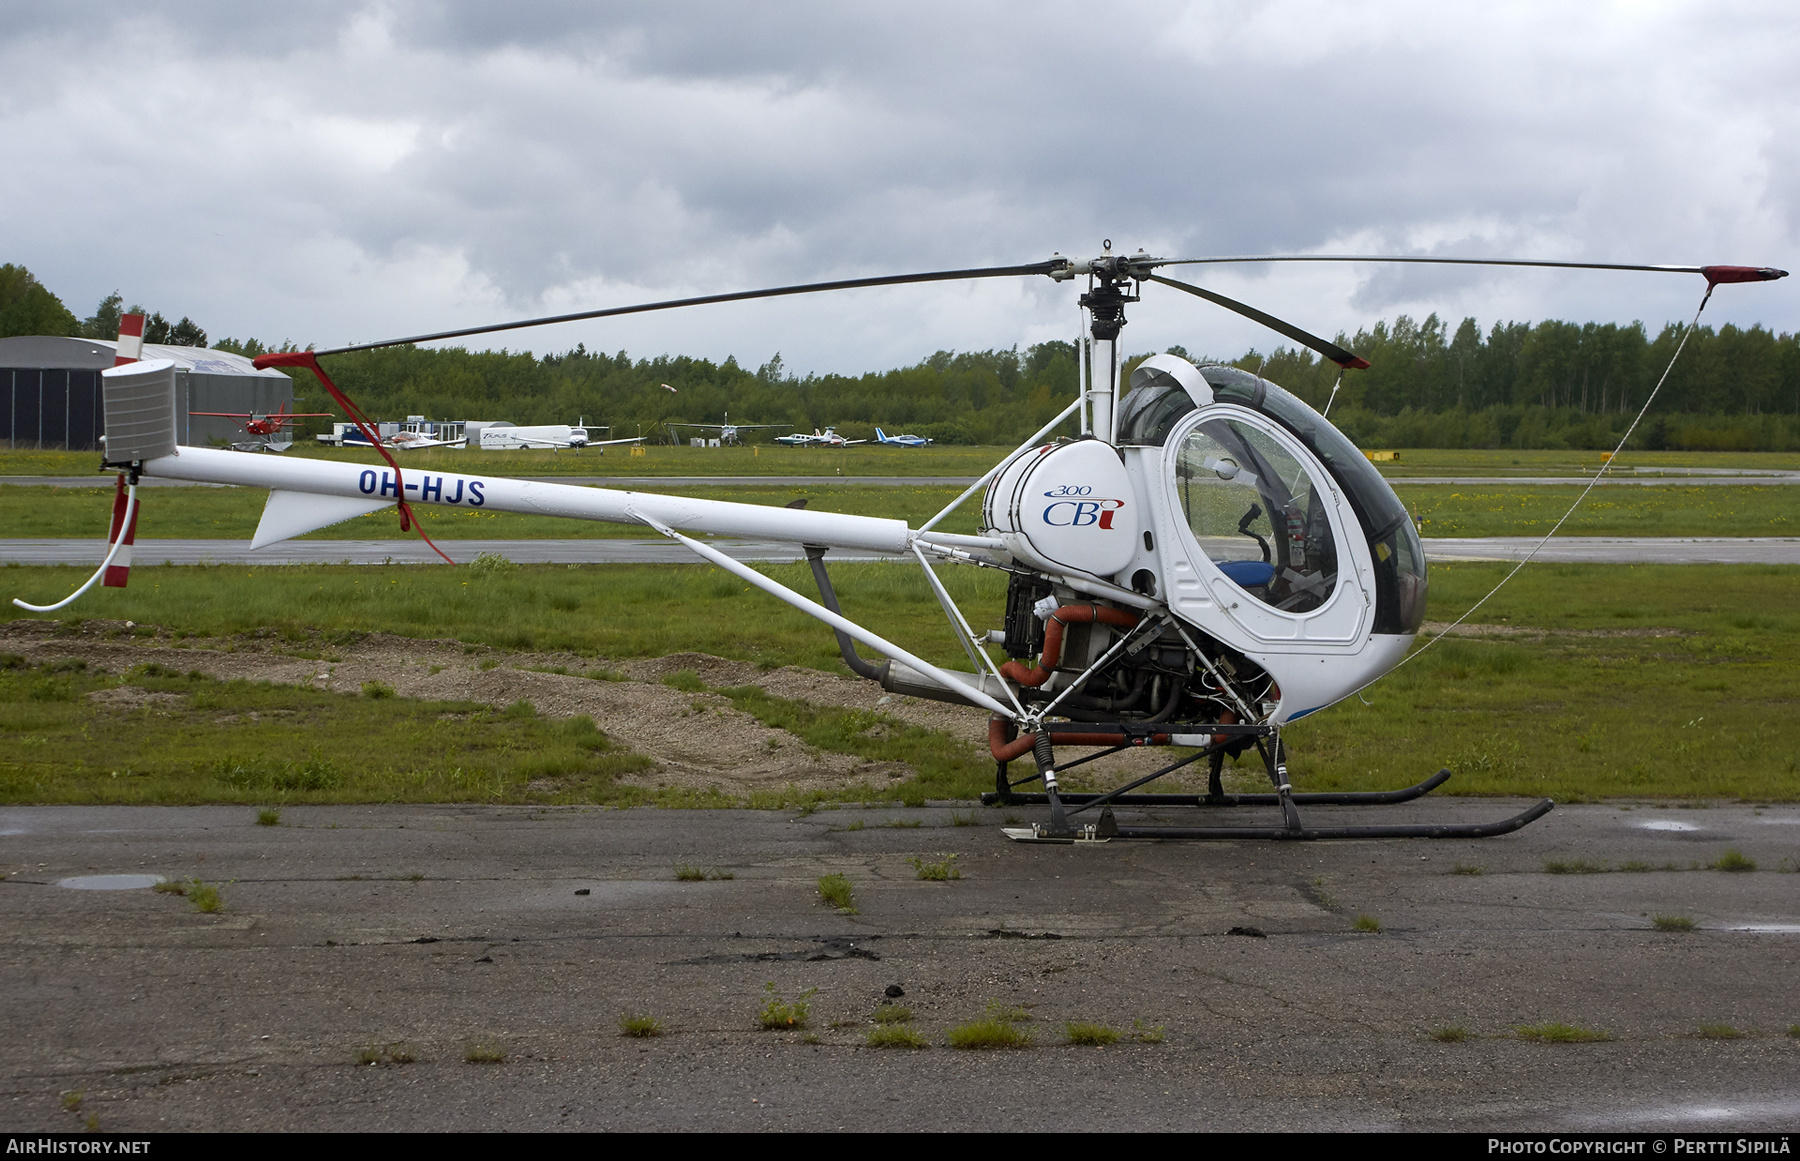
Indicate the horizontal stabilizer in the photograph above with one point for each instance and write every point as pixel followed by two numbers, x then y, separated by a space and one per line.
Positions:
pixel 297 513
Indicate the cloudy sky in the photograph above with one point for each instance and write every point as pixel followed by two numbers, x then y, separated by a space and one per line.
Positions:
pixel 335 172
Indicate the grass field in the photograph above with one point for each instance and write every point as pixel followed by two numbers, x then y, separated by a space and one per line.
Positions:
pixel 1655 681
pixel 1499 510
pixel 197 740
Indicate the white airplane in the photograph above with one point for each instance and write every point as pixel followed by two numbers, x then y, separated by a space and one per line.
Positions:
pixel 728 431
pixel 901 440
pixel 416 440
pixel 827 438
pixel 550 435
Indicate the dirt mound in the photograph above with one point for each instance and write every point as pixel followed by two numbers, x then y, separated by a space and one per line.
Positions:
pixel 698 740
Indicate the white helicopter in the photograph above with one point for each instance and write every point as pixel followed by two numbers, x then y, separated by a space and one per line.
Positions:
pixel 1206 562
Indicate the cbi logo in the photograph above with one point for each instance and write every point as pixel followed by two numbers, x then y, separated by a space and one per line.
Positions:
pixel 1070 508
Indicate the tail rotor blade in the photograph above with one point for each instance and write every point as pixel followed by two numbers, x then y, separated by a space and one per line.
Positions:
pixel 1329 349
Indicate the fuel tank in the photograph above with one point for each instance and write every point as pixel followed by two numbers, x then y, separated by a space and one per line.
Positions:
pixel 1066 507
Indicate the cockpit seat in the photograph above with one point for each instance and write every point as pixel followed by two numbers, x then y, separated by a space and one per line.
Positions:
pixel 1249 574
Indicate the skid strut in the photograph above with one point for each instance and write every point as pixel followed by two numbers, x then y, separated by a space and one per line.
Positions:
pixel 1065 826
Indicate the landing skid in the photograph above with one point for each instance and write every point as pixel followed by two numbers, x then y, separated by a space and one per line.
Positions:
pixel 1106 829
pixel 1063 829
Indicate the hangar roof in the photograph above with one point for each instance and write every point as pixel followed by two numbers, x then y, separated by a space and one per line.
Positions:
pixel 53 352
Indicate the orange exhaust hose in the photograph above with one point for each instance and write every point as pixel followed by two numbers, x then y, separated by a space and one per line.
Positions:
pixel 1005 751
pixel 1226 718
pixel 1053 639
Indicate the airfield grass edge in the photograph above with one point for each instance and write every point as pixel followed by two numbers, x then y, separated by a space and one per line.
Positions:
pixel 1446 510
pixel 1584 681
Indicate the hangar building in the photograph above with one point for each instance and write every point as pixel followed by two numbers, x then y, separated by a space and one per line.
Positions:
pixel 50 391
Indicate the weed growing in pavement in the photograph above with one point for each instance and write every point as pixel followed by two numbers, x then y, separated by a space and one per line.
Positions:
pixel 1466 869
pixel 835 889
pixel 268 816
pixel 1718 1032
pixel 204 896
pixel 1635 866
pixel 1561 1034
pixel 896 1036
pixel 906 824
pixel 640 1027
pixel 778 1013
pixel 484 1052
pixel 989 1032
pixel 71 1100
pixel 892 1014
pixel 1368 924
pixel 386 1054
pixel 1090 1035
pixel 1450 1034
pixel 1147 1034
pixel 1794 1030
pixel 1009 1013
pixel 1573 867
pixel 941 871
pixel 958 818
pixel 1672 922
pixel 857 825
pixel 688 873
pixel 1733 860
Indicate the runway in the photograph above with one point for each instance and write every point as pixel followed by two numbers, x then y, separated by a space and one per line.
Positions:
pixel 360 951
pixel 1563 549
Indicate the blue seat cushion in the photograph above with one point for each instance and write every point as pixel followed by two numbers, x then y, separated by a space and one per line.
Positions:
pixel 1251 574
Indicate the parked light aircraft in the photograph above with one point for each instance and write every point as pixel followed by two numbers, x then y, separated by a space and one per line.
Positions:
pixel 1206 561
pixel 901 440
pixel 553 435
pixel 267 432
pixel 728 431
pixel 827 438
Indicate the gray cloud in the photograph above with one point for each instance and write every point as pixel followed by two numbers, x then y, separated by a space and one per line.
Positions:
pixel 326 172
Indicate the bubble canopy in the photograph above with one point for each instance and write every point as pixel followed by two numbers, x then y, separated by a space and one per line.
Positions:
pixel 1149 414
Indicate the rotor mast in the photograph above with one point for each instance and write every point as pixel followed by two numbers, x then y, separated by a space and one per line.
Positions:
pixel 1109 289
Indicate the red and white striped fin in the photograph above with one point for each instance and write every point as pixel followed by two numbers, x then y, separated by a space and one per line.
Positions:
pixel 131 347
pixel 119 571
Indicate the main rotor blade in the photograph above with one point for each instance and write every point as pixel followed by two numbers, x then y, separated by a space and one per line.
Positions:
pixel 1714 274
pixel 1330 350
pixel 706 299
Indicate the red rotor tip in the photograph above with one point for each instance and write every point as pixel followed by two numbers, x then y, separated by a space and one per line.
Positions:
pixel 1359 363
pixel 1717 274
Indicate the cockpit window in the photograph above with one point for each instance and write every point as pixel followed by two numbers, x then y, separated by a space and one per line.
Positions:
pixel 1149 413
pixel 1257 514
pixel 1400 583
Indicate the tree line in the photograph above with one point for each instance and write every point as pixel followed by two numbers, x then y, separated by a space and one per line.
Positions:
pixel 1517 384
pixel 27 307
